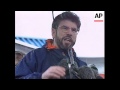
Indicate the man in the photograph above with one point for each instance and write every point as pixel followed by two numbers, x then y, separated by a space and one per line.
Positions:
pixel 44 63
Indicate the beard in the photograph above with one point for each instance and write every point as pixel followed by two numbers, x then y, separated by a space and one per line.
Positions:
pixel 64 43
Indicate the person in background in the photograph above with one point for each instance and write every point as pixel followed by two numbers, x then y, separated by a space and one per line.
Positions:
pixel 18 57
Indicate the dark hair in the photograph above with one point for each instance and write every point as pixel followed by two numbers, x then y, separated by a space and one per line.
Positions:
pixel 66 16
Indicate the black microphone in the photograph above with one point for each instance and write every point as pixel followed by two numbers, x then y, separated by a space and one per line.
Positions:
pixel 95 70
pixel 83 72
pixel 69 70
pixel 64 63
pixel 86 72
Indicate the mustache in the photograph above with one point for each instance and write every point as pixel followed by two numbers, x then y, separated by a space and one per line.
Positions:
pixel 67 37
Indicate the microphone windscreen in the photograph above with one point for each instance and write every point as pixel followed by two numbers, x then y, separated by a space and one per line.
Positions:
pixel 64 63
pixel 86 72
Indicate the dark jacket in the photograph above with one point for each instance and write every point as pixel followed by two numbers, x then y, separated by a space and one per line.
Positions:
pixel 38 61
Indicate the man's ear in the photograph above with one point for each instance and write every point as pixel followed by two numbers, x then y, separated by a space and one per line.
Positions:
pixel 53 32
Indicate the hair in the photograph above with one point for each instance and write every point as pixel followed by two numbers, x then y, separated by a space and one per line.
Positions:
pixel 66 16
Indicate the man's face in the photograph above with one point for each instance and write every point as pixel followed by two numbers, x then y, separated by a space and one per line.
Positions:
pixel 66 33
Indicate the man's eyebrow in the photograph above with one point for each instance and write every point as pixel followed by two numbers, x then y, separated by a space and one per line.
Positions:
pixel 64 26
pixel 68 27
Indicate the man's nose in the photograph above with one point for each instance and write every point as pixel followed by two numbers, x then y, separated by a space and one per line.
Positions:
pixel 69 32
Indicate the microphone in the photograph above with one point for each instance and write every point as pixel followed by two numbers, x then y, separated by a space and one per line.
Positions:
pixel 94 68
pixel 69 70
pixel 64 63
pixel 83 72
pixel 88 72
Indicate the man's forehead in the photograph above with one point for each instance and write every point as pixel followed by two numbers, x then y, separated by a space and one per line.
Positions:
pixel 68 23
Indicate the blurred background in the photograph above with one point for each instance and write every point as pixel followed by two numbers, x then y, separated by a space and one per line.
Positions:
pixel 32 28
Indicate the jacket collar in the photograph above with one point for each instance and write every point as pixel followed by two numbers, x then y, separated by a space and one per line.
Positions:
pixel 49 45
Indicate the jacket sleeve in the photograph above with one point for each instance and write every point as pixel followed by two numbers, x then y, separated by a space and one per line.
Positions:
pixel 27 67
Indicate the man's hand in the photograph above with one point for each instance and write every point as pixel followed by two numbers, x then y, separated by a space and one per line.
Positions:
pixel 54 72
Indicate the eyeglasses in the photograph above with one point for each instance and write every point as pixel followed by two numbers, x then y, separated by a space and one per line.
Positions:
pixel 66 29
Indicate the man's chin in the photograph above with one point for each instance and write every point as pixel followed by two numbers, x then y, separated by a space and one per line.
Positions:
pixel 66 46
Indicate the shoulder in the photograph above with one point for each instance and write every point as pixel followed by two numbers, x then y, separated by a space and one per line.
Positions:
pixel 35 55
pixel 36 52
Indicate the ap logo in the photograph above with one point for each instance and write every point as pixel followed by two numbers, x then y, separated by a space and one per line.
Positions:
pixel 98 16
